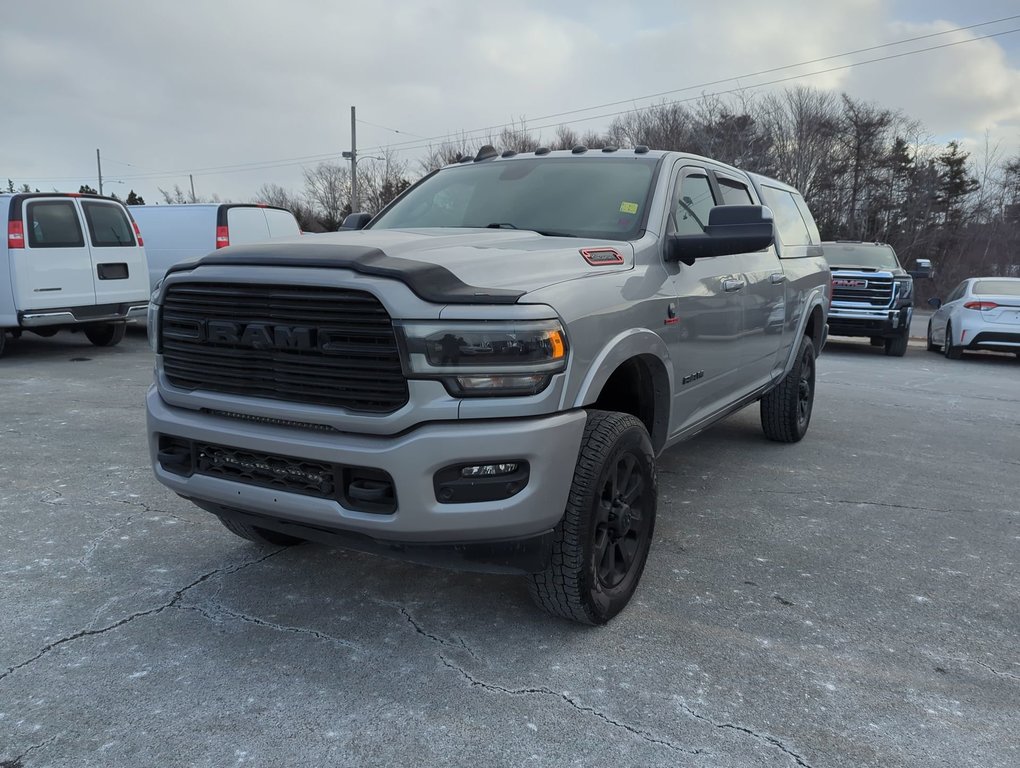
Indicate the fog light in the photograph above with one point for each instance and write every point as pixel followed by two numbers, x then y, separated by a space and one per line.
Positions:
pixel 488 470
pixel 467 483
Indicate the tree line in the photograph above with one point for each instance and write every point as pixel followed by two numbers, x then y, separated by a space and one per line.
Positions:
pixel 868 173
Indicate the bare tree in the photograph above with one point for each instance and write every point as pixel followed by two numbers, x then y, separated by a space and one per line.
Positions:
pixel 446 153
pixel 328 191
pixel 274 194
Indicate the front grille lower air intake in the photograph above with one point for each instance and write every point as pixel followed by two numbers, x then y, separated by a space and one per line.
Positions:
pixel 301 344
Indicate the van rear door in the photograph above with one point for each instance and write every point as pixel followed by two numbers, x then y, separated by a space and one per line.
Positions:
pixel 53 270
pixel 246 224
pixel 119 269
pixel 281 223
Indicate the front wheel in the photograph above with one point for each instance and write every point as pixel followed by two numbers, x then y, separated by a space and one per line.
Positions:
pixel 3 341
pixel 105 334
pixel 896 346
pixel 601 544
pixel 932 346
pixel 786 409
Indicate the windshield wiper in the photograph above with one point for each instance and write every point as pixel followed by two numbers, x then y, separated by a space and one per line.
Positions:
pixel 501 225
pixel 543 232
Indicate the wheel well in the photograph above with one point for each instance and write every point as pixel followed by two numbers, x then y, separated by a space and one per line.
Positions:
pixel 640 387
pixel 814 328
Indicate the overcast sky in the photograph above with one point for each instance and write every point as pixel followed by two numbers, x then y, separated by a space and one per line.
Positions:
pixel 244 92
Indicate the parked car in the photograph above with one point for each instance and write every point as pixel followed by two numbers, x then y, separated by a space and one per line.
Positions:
pixel 981 313
pixel 176 233
pixel 53 277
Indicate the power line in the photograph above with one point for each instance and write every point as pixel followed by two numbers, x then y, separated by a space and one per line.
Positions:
pixel 392 130
pixel 743 77
pixel 480 132
pixel 477 133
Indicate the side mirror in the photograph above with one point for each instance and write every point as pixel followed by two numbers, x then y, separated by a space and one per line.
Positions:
pixel 731 229
pixel 935 302
pixel 923 270
pixel 355 221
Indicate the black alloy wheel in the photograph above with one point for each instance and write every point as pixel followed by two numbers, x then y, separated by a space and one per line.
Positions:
pixel 622 529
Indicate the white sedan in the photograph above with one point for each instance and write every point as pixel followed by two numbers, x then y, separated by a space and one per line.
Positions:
pixel 980 313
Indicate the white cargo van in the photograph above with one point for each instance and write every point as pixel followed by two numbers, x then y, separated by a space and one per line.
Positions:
pixel 73 262
pixel 176 233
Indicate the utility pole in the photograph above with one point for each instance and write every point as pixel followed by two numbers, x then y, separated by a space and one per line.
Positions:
pixel 99 169
pixel 191 176
pixel 354 164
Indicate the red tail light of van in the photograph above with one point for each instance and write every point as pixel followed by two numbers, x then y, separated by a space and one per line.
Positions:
pixel 138 232
pixel 222 237
pixel 15 234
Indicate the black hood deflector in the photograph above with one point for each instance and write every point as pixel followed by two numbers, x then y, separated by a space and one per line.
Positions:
pixel 431 282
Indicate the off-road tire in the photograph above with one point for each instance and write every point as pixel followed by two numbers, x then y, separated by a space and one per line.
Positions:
pixel 105 334
pixel 950 350
pixel 786 409
pixel 932 346
pixel 3 341
pixel 259 535
pixel 596 562
pixel 896 346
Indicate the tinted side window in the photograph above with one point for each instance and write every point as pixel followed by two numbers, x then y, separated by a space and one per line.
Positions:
pixel 734 193
pixel 789 223
pixel 108 226
pixel 53 224
pixel 693 205
pixel 957 293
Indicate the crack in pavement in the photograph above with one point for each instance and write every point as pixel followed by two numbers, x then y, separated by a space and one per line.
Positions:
pixel 92 547
pixel 642 734
pixel 220 610
pixel 138 614
pixel 443 642
pixel 971 662
pixel 743 729
pixel 16 762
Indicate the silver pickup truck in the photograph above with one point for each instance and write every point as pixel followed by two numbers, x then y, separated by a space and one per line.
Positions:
pixel 482 374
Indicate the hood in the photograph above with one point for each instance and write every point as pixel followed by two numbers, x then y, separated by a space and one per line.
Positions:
pixel 517 260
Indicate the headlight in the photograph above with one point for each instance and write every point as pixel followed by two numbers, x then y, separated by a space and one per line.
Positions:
pixel 152 318
pixel 906 288
pixel 475 358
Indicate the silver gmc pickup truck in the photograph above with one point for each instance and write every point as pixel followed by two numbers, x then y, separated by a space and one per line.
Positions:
pixel 482 374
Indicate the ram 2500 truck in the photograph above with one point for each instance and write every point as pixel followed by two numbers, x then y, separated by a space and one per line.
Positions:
pixel 872 295
pixel 485 371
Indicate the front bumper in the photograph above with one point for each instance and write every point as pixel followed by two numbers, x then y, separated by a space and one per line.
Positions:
pixel 549 444
pixel 100 313
pixel 858 322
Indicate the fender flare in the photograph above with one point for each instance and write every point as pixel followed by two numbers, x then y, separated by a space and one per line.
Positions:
pixel 815 301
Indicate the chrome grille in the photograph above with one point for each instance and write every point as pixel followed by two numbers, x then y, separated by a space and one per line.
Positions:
pixel 862 289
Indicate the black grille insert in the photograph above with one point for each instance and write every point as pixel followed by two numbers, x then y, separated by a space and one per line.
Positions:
pixel 362 489
pixel 305 344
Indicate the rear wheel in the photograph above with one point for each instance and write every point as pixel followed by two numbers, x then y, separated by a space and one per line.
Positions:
pixel 259 535
pixel 601 544
pixel 896 346
pixel 786 409
pixel 105 334
pixel 950 350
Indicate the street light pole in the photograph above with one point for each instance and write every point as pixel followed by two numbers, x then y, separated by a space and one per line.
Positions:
pixel 99 169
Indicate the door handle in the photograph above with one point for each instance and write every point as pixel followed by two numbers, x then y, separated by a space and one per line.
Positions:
pixel 776 278
pixel 729 285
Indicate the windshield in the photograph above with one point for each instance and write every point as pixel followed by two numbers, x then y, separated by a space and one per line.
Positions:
pixel 862 255
pixel 570 196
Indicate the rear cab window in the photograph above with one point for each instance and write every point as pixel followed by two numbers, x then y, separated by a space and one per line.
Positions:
pixel 53 224
pixel 108 225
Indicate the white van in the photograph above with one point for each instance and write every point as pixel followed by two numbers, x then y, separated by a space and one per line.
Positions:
pixel 73 262
pixel 176 233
